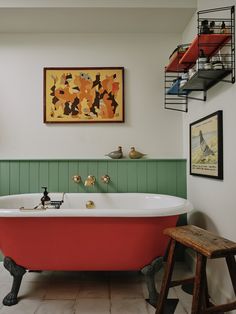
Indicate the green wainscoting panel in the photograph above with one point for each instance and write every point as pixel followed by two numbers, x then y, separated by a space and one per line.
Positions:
pixel 4 178
pixel 112 172
pixel 33 176
pixel 53 174
pixel 164 176
pixel 181 179
pixel 63 176
pixel 24 177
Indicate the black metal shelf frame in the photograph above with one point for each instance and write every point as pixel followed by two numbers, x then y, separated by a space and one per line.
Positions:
pixel 177 101
pixel 229 58
pixel 204 79
pixel 174 101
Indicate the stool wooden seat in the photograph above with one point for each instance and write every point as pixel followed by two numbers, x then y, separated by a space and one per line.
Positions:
pixel 206 245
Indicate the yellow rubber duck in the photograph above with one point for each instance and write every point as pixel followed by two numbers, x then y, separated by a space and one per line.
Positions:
pixel 134 154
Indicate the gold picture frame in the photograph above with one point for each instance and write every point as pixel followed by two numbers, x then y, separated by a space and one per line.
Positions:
pixel 83 94
pixel 206 146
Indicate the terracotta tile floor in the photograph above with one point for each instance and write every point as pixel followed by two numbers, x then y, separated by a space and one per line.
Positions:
pixel 87 293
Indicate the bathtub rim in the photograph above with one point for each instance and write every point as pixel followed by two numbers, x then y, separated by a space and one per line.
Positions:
pixel 184 208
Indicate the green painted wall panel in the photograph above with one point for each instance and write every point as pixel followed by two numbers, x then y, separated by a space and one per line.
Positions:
pixel 5 177
pixel 102 170
pixel 34 177
pixel 24 177
pixel 181 179
pixel 73 171
pixel 132 184
pixel 43 174
pixel 83 172
pixel 14 177
pixel 162 179
pixel 171 179
pixel 142 177
pixel 151 176
pixel 53 176
pixel 63 176
pixel 112 171
pixel 122 180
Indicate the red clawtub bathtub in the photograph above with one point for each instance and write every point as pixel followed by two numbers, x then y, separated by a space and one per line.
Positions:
pixel 120 232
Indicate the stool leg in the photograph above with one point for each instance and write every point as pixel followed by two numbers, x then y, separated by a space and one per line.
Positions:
pixel 198 305
pixel 207 301
pixel 205 294
pixel 230 260
pixel 166 279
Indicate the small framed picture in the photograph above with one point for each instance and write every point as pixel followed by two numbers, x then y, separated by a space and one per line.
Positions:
pixel 74 95
pixel 206 146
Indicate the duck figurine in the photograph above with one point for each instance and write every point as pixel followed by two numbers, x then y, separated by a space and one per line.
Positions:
pixel 134 154
pixel 116 154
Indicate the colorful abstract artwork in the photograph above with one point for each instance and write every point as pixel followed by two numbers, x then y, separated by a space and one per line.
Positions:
pixel 206 146
pixel 83 95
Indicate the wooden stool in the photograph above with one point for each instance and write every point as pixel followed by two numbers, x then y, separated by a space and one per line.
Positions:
pixel 206 245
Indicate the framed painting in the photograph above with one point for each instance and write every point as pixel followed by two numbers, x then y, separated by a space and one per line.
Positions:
pixel 83 95
pixel 206 146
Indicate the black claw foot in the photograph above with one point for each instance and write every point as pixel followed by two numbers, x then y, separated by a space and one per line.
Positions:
pixel 10 299
pixel 170 305
pixel 149 272
pixel 17 272
pixel 188 288
pixel 152 302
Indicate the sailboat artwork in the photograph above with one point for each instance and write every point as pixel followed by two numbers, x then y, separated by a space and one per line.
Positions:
pixel 206 146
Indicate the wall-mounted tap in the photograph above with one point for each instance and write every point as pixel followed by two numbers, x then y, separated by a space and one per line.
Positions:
pixel 76 178
pixel 90 181
pixel 105 179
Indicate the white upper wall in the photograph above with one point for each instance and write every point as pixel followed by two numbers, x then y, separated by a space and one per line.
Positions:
pixel 98 3
pixel 148 126
pixel 136 34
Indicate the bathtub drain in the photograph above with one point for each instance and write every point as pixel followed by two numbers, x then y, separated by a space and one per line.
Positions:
pixel 90 204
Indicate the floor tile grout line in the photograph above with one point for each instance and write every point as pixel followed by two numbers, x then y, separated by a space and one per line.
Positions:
pixel 35 312
pixel 109 281
pixel 74 307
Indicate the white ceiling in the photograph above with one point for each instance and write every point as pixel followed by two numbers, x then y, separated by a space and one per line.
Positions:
pixel 95 16
pixel 98 3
